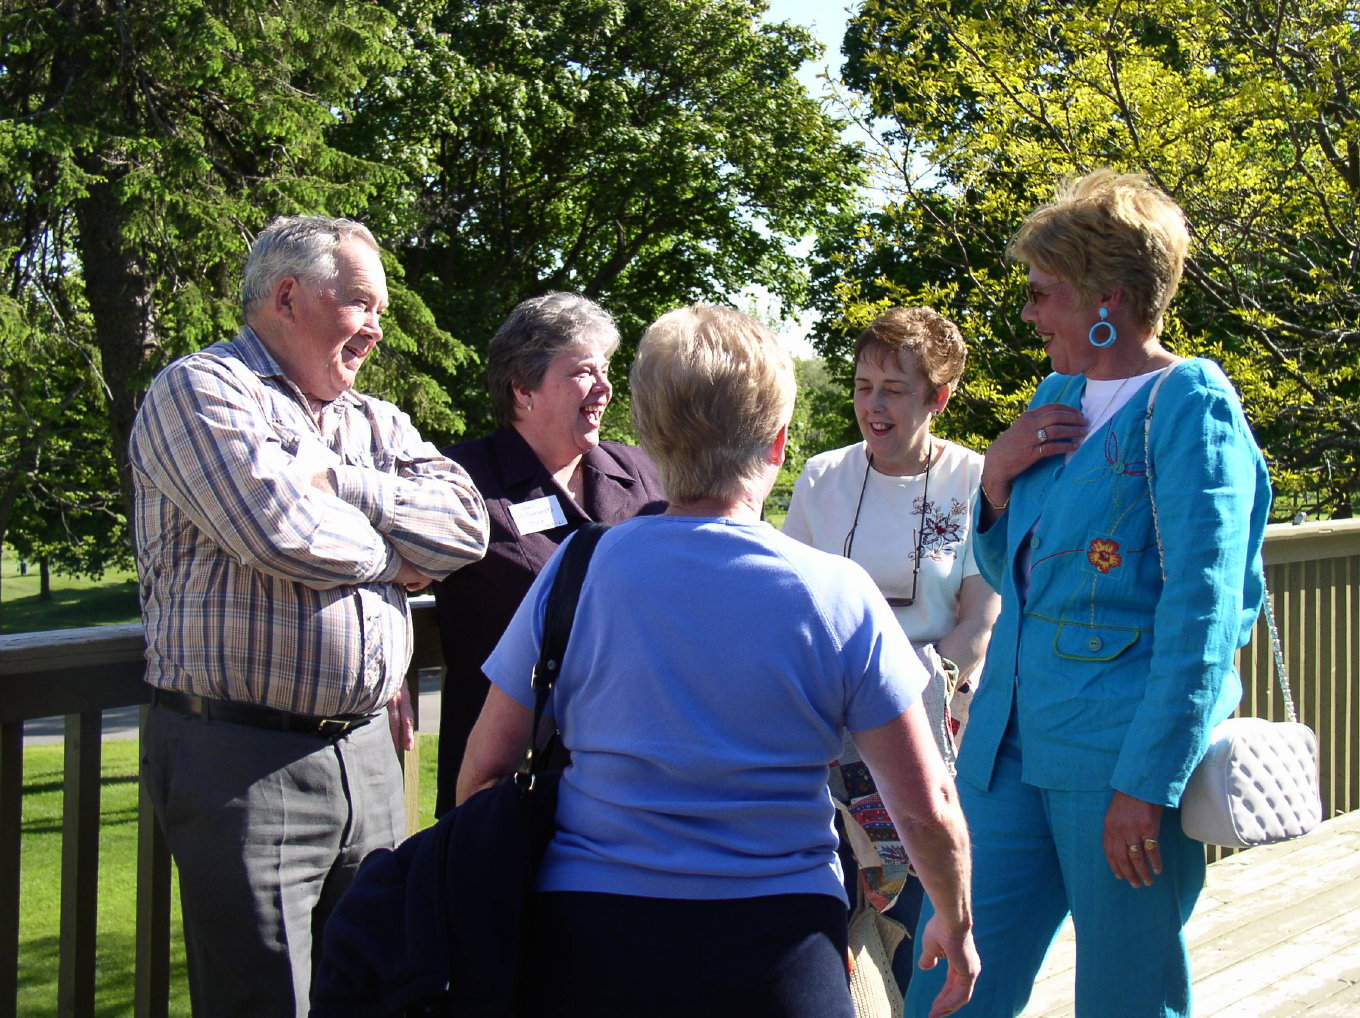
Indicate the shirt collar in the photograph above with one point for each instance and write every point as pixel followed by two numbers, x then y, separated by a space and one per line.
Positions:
pixel 519 463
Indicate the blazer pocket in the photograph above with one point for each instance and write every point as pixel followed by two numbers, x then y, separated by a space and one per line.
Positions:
pixel 1093 643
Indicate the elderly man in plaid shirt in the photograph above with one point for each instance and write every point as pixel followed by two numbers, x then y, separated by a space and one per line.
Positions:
pixel 281 519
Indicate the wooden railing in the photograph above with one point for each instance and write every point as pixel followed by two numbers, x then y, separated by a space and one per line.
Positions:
pixel 1314 573
pixel 80 673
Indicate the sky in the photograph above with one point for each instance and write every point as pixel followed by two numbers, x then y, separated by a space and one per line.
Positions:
pixel 827 20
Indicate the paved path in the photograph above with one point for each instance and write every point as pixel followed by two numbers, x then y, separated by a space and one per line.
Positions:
pixel 122 723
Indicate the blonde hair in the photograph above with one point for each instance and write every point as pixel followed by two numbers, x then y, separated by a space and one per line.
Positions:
pixel 711 387
pixel 933 340
pixel 1110 231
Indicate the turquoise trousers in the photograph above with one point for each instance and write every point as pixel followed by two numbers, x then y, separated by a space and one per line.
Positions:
pixel 1038 855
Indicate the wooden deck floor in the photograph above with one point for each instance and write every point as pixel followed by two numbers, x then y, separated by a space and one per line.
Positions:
pixel 1276 934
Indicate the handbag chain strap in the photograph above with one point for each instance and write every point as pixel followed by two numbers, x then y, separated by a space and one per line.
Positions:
pixel 1281 675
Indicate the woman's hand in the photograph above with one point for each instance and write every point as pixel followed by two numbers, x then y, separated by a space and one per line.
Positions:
pixel 1131 848
pixel 966 643
pixel 495 745
pixel 964 965
pixel 1048 430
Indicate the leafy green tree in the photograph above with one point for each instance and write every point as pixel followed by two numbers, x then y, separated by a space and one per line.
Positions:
pixel 1245 112
pixel 823 418
pixel 142 145
pixel 644 154
pixel 58 483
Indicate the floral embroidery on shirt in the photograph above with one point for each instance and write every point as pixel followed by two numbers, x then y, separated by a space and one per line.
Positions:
pixel 941 527
pixel 1104 554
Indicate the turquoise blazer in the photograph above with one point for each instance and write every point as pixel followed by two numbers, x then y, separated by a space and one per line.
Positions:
pixel 1114 676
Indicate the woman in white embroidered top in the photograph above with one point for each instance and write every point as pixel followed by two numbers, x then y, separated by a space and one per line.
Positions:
pixel 899 503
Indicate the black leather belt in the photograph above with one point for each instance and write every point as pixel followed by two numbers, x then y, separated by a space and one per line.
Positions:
pixel 256 716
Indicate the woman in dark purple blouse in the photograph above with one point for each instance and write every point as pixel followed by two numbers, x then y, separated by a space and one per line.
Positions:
pixel 543 472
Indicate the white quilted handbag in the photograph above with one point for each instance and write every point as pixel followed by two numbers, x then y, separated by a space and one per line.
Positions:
pixel 1258 781
pixel 1257 784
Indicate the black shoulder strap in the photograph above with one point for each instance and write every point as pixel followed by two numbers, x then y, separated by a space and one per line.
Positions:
pixel 560 612
pixel 558 616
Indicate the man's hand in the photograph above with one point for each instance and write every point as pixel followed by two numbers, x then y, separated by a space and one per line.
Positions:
pixel 411 578
pixel 323 480
pixel 400 719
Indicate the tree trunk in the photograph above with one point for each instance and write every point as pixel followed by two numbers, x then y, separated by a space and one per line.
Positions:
pixel 44 580
pixel 121 293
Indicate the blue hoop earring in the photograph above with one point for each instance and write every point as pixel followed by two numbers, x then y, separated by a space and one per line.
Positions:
pixel 1104 320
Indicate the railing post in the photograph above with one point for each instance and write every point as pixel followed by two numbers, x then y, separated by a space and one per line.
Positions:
pixel 79 865
pixel 11 832
pixel 152 977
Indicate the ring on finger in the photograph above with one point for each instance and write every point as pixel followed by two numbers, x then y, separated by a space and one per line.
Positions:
pixel 1150 844
pixel 1041 435
pixel 1135 849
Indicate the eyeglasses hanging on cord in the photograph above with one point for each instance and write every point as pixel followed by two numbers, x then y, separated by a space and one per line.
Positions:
pixel 896 602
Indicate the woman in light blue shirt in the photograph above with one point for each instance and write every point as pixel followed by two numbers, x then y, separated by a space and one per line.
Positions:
pixel 712 665
pixel 1113 655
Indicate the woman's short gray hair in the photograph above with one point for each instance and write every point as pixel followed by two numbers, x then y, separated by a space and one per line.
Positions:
pixel 538 330
pixel 711 387
pixel 299 246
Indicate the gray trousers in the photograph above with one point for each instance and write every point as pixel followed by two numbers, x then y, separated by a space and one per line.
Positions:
pixel 267 830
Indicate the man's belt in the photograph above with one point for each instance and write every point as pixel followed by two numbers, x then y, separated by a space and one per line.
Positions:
pixel 256 716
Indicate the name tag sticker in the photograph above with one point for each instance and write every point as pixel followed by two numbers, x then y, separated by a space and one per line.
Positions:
pixel 537 515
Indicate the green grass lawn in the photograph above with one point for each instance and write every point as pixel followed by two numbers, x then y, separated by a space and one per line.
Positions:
pixel 40 880
pixel 75 601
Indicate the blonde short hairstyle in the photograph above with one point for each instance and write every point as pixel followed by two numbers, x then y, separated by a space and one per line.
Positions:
pixel 1110 231
pixel 932 339
pixel 711 387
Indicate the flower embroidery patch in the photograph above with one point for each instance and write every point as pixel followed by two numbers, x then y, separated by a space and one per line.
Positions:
pixel 941 527
pixel 1104 554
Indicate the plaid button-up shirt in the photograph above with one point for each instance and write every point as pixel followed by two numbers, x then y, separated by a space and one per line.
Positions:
pixel 258 586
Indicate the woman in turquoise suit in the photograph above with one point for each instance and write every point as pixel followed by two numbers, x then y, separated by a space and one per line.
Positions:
pixel 1113 657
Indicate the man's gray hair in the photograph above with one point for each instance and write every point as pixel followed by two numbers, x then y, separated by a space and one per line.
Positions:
pixel 299 246
pixel 538 330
